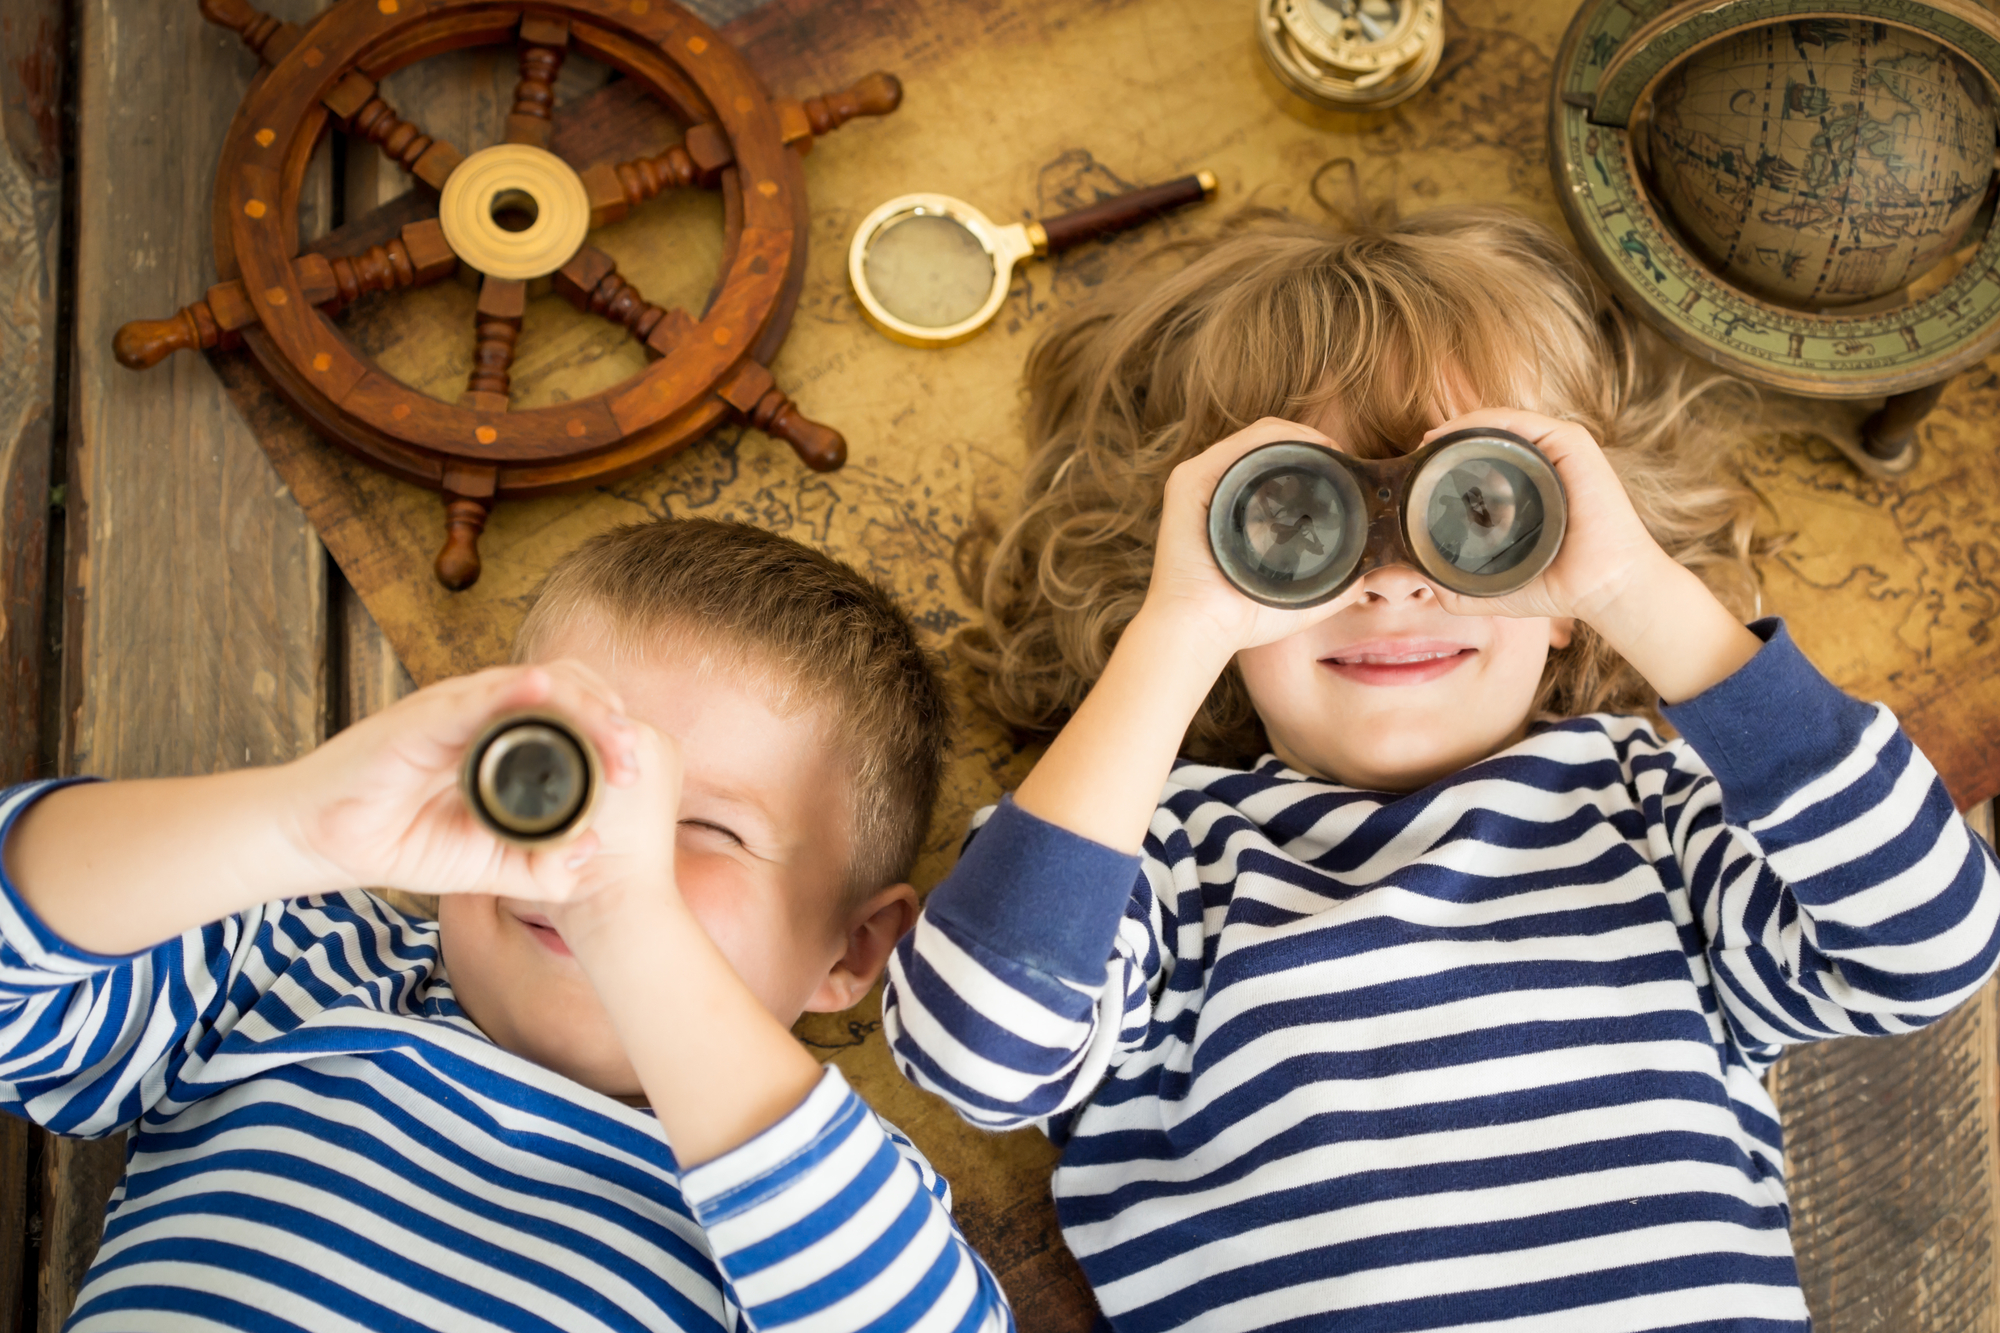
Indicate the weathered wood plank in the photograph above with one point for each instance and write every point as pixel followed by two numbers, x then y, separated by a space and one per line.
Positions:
pixel 34 53
pixel 199 590
pixel 1892 1169
pixel 370 677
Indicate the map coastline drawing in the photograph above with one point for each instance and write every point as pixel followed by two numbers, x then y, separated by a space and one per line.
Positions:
pixel 1822 162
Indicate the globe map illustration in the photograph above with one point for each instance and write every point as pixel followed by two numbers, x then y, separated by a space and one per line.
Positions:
pixel 1821 162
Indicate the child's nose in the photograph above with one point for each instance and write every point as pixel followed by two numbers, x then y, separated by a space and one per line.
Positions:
pixel 1396 583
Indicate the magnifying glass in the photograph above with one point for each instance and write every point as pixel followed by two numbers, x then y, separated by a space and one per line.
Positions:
pixel 1481 512
pixel 931 270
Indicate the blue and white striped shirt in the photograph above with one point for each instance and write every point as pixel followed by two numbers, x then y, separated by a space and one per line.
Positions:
pixel 322 1139
pixel 1485 1055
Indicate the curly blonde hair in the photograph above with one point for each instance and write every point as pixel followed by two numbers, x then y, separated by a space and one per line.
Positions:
pixel 1392 322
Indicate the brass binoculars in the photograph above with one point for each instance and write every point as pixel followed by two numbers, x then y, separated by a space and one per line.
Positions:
pixel 1294 524
pixel 532 779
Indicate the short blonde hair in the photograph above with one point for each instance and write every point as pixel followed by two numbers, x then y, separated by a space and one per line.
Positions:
pixel 818 632
pixel 1277 317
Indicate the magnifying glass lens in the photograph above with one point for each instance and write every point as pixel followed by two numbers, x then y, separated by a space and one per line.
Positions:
pixel 1485 516
pixel 928 270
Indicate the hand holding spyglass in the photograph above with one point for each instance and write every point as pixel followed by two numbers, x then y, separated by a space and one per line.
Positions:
pixel 382 802
pixel 930 270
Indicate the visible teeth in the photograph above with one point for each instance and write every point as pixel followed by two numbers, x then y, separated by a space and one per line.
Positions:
pixel 1392 659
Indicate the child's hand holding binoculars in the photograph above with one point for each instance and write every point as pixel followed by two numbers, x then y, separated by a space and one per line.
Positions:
pixel 1606 549
pixel 1187 586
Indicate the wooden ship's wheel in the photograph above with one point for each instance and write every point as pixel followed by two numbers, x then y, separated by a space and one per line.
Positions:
pixel 517 214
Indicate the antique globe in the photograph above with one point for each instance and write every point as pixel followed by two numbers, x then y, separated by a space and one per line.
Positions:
pixel 1821 162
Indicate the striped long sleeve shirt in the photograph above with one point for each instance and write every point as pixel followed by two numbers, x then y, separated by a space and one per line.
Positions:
pixel 320 1138
pixel 1482 1056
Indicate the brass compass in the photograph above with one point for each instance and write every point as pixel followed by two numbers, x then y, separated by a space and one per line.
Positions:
pixel 1352 55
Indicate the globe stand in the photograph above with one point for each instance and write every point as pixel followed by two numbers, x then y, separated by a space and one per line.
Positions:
pixel 1889 436
pixel 1612 57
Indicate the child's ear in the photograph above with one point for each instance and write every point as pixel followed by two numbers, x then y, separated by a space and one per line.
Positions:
pixel 1562 629
pixel 872 931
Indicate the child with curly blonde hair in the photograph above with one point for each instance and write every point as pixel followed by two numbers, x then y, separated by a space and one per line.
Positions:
pixel 1431 986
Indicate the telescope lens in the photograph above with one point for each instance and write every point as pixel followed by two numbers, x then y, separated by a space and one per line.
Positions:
pixel 1287 525
pixel 533 780
pixel 1485 516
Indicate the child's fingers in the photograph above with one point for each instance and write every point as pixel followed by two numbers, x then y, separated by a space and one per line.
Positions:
pixel 543 874
pixel 450 715
pixel 1560 440
pixel 1204 471
pixel 579 695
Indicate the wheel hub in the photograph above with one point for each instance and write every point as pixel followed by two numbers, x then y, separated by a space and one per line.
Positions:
pixel 514 211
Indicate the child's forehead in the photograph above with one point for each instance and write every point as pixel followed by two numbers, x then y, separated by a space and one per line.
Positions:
pixel 744 724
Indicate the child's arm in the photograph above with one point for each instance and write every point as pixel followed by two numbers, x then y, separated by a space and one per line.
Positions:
pixel 819 1218
pixel 135 921
pixel 1838 889
pixel 117 868
pixel 1033 967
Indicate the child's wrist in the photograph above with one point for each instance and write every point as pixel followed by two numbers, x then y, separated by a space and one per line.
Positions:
pixel 1180 639
pixel 293 798
pixel 1674 631
pixel 1625 607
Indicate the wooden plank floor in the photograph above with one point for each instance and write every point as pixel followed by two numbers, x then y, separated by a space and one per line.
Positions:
pixel 33 59
pixel 200 628
pixel 205 629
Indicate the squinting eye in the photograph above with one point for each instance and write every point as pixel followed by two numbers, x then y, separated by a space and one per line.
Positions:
pixel 712 828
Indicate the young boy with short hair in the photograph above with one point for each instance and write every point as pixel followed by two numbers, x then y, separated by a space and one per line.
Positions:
pixel 572 1102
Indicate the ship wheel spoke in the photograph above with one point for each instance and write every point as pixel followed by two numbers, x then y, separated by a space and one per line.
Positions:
pixel 544 43
pixel 358 109
pixel 469 486
pixel 592 283
pixel 268 38
pixel 615 189
pixel 415 257
pixel 502 302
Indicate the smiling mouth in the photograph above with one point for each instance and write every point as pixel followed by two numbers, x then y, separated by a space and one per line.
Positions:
pixel 1390 665
pixel 545 934
pixel 1393 659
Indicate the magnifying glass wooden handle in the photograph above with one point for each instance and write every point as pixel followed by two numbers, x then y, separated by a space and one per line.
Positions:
pixel 1122 213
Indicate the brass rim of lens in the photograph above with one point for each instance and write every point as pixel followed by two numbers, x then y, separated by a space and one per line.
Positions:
pixel 503 735
pixel 1540 473
pixel 1005 246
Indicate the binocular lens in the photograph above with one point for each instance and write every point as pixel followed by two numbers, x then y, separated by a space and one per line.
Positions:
pixel 531 781
pixel 1292 521
pixel 1485 516
pixel 1287 525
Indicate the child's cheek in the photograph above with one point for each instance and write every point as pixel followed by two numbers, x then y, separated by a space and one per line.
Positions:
pixel 723 897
